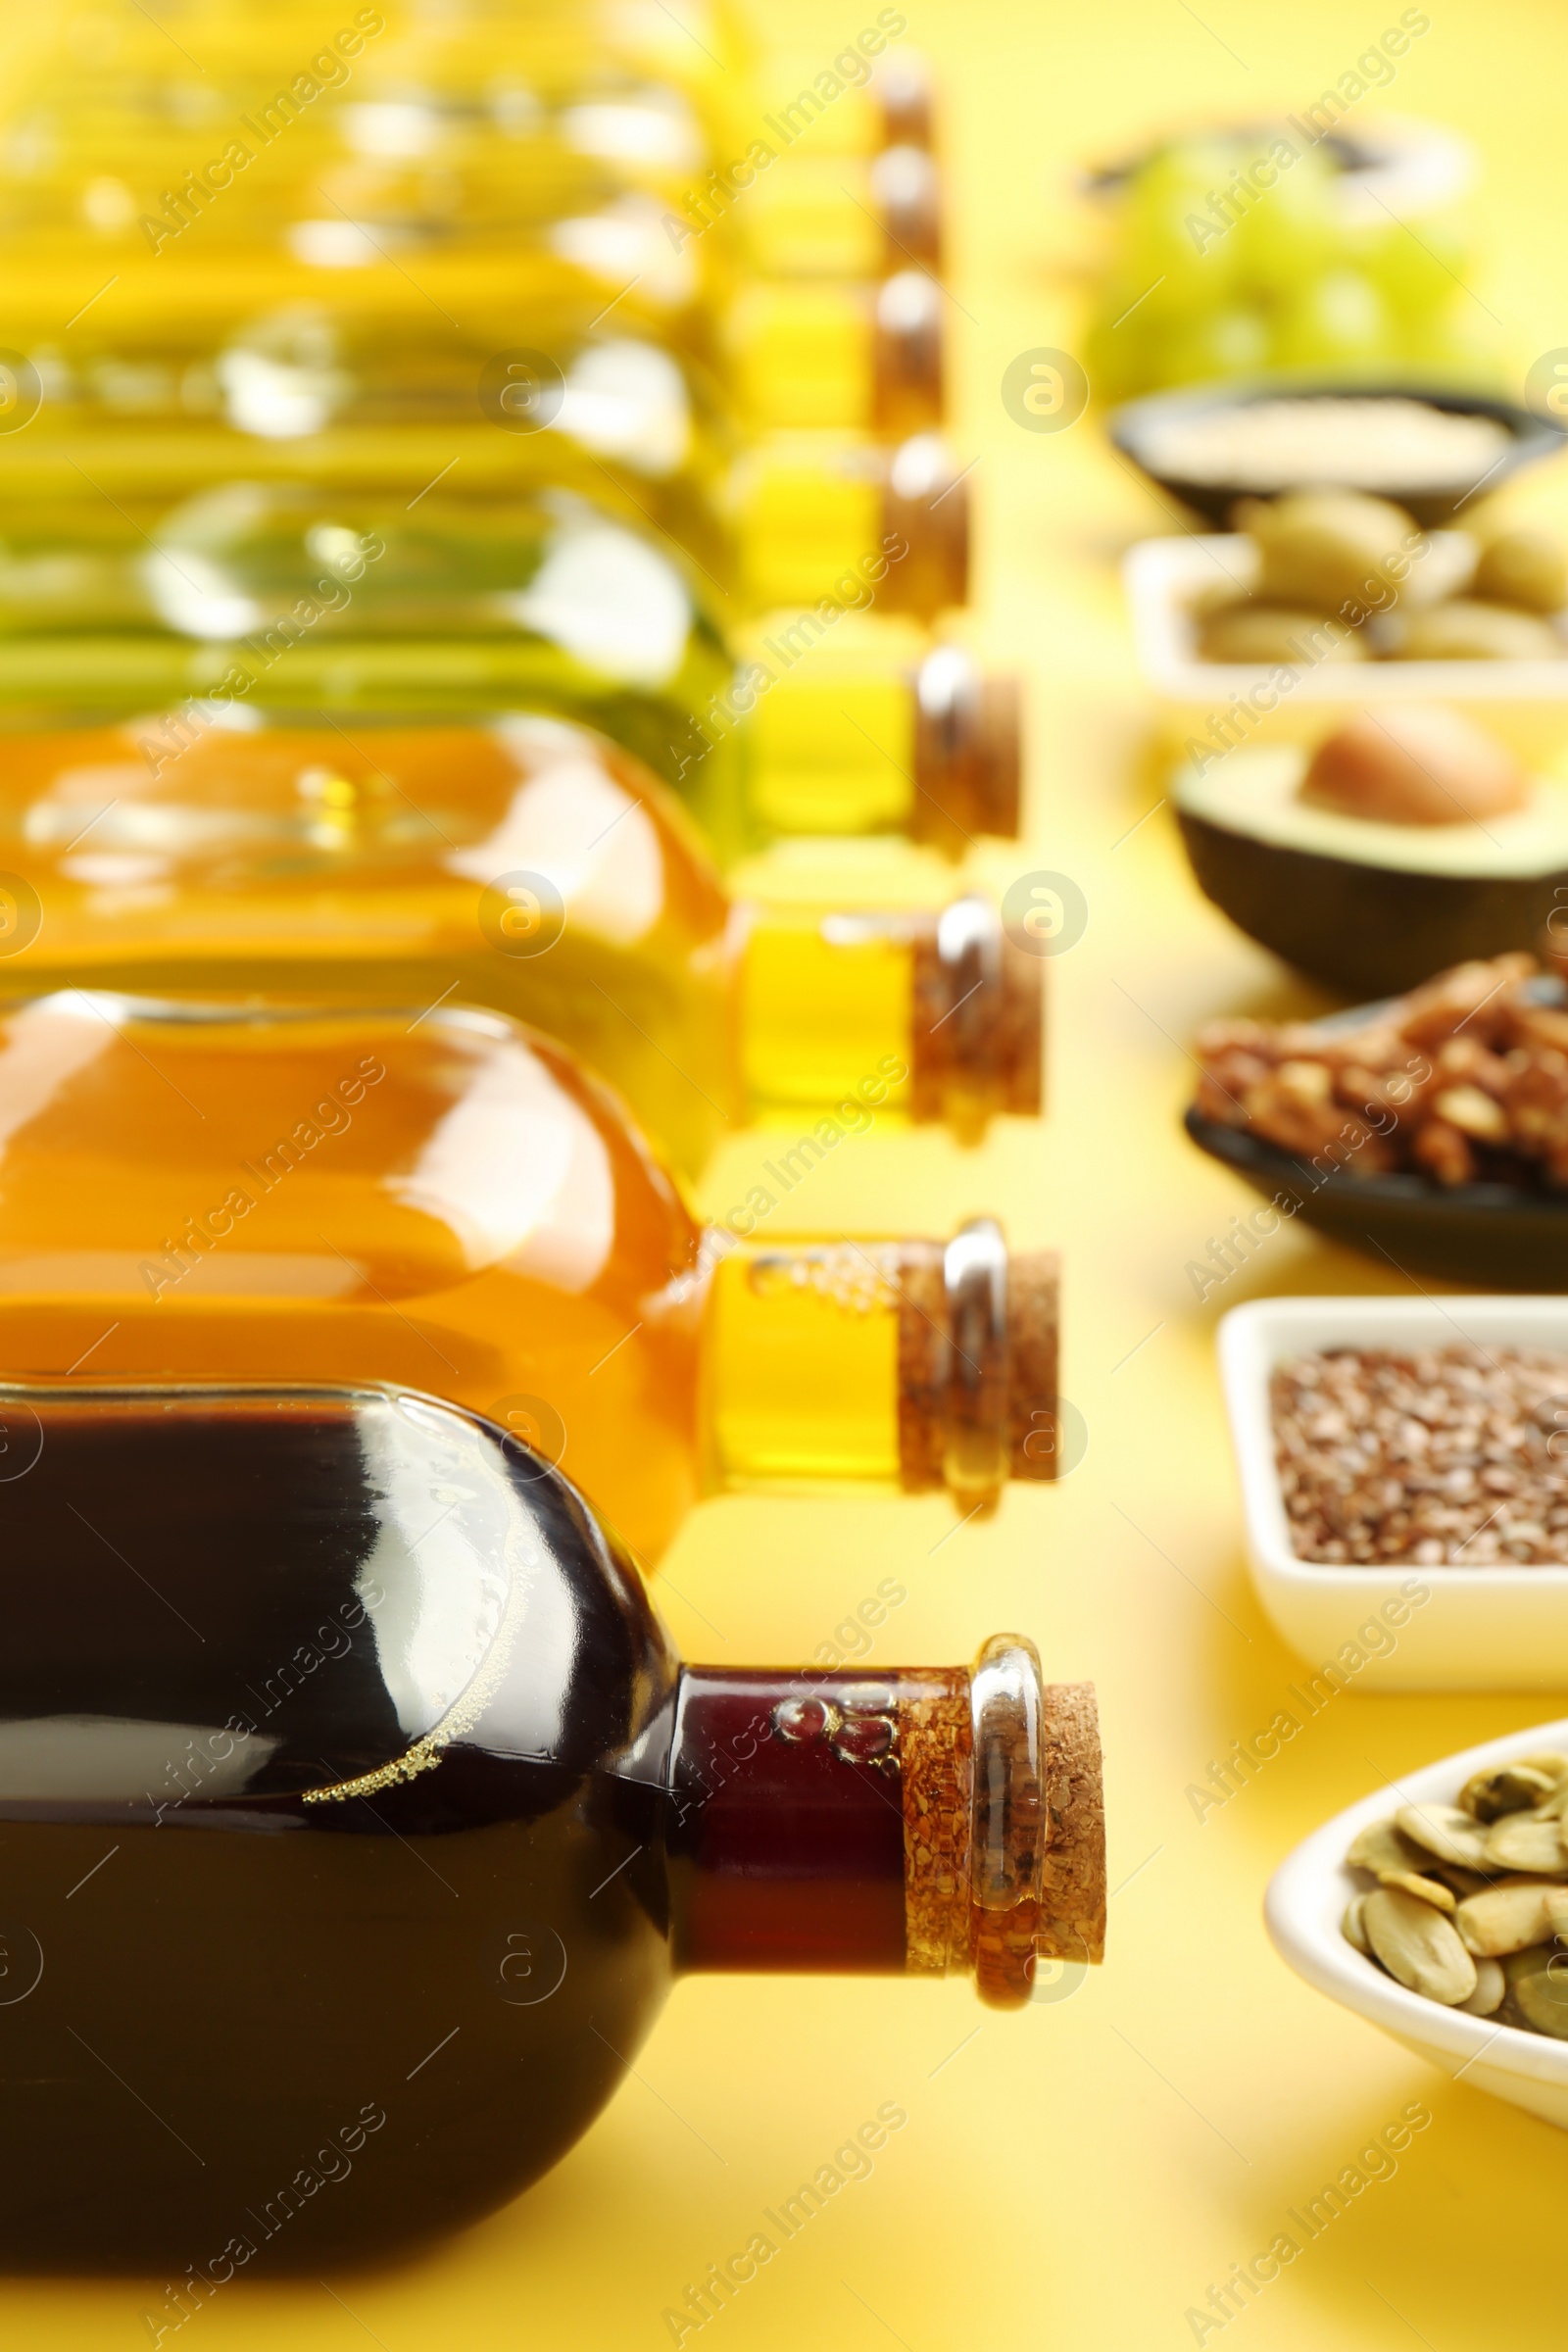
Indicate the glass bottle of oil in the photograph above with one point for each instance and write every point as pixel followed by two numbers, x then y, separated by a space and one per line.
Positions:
pixel 420 135
pixel 443 1198
pixel 525 865
pixel 365 1631
pixel 291 597
pixel 225 365
pixel 241 198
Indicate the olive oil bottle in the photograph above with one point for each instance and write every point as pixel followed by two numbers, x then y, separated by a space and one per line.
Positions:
pixel 290 598
pixel 441 1197
pixel 526 865
pixel 415 132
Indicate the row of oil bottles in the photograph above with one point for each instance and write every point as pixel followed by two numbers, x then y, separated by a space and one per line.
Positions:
pixel 477 577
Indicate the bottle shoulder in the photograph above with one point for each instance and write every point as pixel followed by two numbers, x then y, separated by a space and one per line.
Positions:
pixel 403 1587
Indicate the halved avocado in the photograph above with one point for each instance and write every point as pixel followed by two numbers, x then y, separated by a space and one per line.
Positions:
pixel 1367 909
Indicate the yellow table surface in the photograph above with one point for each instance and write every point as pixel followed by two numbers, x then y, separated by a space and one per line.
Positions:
pixel 1074 2177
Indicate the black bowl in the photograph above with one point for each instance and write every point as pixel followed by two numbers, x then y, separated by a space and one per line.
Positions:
pixel 1490 1236
pixel 1533 437
pixel 1500 1236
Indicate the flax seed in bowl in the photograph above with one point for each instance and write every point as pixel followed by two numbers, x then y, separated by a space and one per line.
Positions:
pixel 1454 1456
pixel 1403 1468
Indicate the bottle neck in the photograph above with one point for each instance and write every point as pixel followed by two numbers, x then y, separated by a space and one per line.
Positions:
pixel 912 1363
pixel 821 517
pixel 872 730
pixel 907 199
pixel 925 1820
pixel 967 757
pixel 934 1013
pixel 845 358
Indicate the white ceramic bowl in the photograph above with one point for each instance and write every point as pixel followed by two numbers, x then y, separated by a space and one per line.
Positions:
pixel 1481 1629
pixel 1306 1903
pixel 1525 702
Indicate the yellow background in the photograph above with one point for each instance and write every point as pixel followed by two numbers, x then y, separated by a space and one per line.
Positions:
pixel 1077 2176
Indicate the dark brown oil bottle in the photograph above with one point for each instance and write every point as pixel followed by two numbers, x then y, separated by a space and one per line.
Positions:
pixel 356 1814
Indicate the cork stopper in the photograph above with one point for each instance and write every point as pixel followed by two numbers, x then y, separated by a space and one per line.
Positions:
pixel 978 1018
pixel 903 92
pixel 926 504
pixel 1000 758
pixel 1072 1899
pixel 907 193
pixel 1003 1822
pixel 967 756
pixel 977 1351
pixel 1034 1292
pixel 907 375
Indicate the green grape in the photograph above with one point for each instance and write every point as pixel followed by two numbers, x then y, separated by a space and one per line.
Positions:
pixel 1422 267
pixel 1339 319
pixel 1213 343
pixel 1176 251
pixel 1290 233
pixel 1366 244
pixel 1186 168
pixel 1168 239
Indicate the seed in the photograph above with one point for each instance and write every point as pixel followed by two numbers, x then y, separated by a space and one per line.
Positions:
pixel 1510 1918
pixel 1524 1841
pixel 1425 1890
pixel 1379 1848
pixel 1513 1788
pixel 1354 1932
pixel 1539 1985
pixel 1490 1986
pixel 1444 1830
pixel 1417 1945
pixel 1460 1881
pixel 1445 1458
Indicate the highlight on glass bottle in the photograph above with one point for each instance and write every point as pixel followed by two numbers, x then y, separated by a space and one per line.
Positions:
pixel 273 1647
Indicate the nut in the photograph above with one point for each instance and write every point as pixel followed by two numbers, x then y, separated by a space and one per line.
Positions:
pixel 1467 631
pixel 1523 569
pixel 1491 1097
pixel 1326 548
pixel 1252 634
